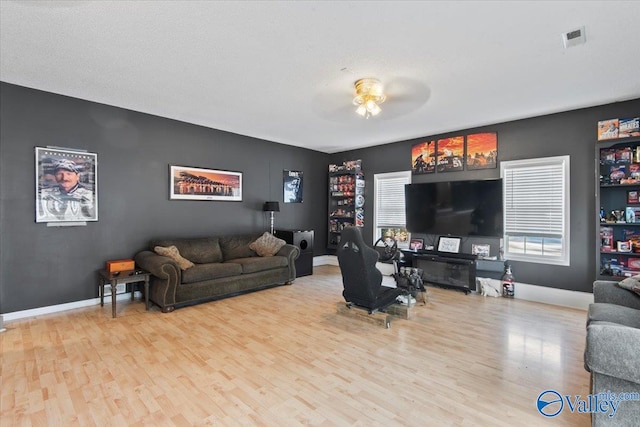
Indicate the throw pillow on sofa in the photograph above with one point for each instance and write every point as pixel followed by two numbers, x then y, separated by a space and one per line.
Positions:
pixel 631 283
pixel 173 253
pixel 267 245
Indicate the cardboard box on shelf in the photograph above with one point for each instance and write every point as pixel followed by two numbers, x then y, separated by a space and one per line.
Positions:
pixel 120 265
pixel 608 129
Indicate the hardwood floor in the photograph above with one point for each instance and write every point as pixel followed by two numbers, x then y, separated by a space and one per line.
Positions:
pixel 284 357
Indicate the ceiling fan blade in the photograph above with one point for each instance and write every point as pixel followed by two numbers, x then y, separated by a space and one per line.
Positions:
pixel 334 104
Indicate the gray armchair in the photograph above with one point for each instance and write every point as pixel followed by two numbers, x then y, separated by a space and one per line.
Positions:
pixel 612 352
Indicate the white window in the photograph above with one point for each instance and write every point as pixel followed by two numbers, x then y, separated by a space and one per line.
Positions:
pixel 388 214
pixel 536 210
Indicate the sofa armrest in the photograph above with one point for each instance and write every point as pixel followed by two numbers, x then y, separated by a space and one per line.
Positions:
pixel 166 273
pixel 291 252
pixel 613 350
pixel 157 265
pixel 607 291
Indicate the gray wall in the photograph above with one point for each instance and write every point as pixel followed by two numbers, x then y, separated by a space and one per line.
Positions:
pixel 43 266
pixel 572 133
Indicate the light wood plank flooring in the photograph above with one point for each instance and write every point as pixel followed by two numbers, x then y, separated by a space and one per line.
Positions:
pixel 284 357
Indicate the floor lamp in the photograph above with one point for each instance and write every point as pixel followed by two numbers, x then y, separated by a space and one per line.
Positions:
pixel 271 207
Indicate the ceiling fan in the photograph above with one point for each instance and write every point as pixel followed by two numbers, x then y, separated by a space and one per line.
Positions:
pixel 377 99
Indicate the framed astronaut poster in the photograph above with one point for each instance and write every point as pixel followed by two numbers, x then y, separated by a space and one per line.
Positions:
pixel 292 186
pixel 66 185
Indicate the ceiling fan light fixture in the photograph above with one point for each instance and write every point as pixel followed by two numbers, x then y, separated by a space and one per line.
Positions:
pixel 369 94
pixel 373 108
pixel 361 110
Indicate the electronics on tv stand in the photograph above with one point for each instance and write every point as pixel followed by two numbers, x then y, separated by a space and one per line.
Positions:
pixel 441 254
pixel 461 208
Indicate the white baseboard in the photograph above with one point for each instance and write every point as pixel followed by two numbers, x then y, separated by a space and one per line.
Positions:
pixel 554 296
pixel 16 315
pixel 62 307
pixel 325 260
pixel 543 294
pixel 535 293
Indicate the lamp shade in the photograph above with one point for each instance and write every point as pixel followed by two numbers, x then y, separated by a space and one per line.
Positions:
pixel 271 207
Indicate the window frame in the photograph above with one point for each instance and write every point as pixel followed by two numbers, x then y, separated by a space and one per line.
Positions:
pixel 377 233
pixel 564 258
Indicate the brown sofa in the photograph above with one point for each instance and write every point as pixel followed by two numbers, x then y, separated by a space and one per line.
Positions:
pixel 223 266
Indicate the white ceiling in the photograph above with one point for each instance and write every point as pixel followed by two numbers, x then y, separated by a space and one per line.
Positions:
pixel 284 71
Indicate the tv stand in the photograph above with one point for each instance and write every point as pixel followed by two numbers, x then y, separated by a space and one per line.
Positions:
pixel 457 271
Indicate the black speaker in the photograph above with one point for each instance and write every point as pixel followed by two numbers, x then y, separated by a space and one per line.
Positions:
pixel 304 241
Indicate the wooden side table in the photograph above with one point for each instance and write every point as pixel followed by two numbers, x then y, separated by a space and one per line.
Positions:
pixel 113 279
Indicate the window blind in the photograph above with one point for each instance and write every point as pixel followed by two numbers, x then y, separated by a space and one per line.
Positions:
pixel 389 194
pixel 536 210
pixel 534 199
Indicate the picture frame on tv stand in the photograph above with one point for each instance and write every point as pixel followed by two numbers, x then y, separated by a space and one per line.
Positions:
pixel 416 244
pixel 481 250
pixel 449 244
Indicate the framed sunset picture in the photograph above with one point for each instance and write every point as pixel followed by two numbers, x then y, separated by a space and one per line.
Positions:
pixel 450 154
pixel 187 183
pixel 423 158
pixel 482 151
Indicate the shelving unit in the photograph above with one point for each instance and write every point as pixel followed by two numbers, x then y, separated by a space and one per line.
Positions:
pixel 346 199
pixel 618 177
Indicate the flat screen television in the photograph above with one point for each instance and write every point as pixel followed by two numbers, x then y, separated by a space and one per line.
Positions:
pixel 458 208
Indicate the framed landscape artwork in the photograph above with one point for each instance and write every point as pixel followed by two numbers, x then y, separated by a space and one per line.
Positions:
pixel 423 158
pixel 482 151
pixel 187 183
pixel 450 154
pixel 66 186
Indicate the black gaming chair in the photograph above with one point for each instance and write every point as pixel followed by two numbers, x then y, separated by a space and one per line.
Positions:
pixel 361 279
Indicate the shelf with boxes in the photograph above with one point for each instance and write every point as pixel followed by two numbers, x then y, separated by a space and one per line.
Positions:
pixel 346 199
pixel 618 204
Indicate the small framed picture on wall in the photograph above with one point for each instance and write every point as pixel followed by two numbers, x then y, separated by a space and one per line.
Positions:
pixel 450 152
pixel 482 151
pixel 292 185
pixel 423 158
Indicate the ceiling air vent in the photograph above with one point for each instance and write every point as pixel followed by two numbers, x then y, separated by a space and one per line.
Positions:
pixel 573 38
